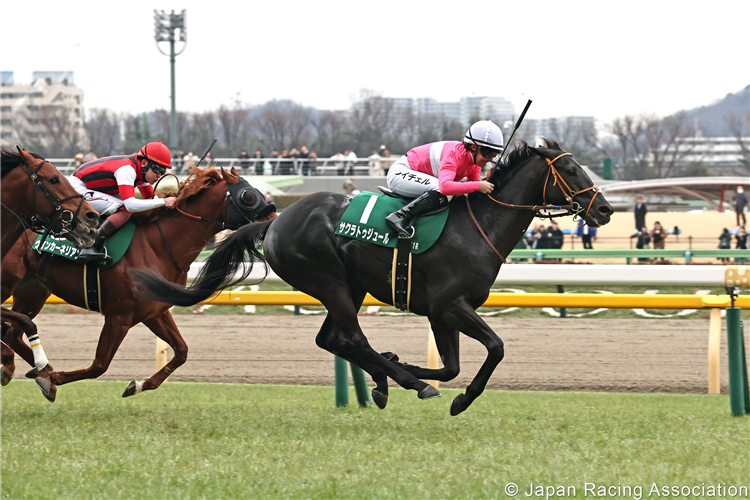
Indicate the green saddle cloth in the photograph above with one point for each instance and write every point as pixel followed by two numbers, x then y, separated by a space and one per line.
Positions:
pixel 364 220
pixel 116 245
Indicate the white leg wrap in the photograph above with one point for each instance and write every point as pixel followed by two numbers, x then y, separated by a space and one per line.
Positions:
pixel 40 359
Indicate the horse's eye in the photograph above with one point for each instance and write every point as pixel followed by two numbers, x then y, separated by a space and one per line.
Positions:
pixel 54 180
pixel 571 171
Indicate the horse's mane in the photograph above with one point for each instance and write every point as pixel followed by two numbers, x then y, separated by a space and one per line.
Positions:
pixel 518 157
pixel 523 152
pixel 200 179
pixel 11 159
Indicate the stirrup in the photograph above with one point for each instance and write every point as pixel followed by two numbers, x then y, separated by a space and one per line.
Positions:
pixel 410 236
pixel 100 258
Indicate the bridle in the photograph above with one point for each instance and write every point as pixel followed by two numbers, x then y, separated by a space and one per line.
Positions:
pixel 545 211
pixel 231 219
pixel 39 223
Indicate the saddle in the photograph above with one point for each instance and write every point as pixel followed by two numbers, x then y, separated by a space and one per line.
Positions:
pixel 116 245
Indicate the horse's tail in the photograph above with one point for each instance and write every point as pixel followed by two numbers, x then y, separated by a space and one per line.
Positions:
pixel 218 271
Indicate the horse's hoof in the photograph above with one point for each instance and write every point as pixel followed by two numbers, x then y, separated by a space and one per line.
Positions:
pixel 133 388
pixel 390 356
pixel 48 389
pixel 5 376
pixel 429 392
pixel 379 398
pixel 32 373
pixel 457 405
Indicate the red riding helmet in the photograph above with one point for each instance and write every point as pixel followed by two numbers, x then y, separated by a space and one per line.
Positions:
pixel 157 152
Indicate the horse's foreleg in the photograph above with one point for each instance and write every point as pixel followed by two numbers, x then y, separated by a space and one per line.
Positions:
pixel 165 328
pixel 446 340
pixel 460 315
pixel 114 331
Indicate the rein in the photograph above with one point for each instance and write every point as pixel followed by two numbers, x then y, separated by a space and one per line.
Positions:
pixel 197 217
pixel 38 223
pixel 571 208
pixel 194 217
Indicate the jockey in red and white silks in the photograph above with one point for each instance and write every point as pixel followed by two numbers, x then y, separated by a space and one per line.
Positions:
pixel 109 183
pixel 433 173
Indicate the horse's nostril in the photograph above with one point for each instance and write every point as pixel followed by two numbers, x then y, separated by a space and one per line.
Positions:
pixel 92 216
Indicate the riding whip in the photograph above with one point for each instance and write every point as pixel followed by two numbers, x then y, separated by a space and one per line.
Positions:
pixel 518 124
pixel 208 150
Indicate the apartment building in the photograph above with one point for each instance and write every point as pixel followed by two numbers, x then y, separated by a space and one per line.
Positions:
pixel 44 113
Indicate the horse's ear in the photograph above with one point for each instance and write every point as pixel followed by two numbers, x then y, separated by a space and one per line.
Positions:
pixel 25 155
pixel 234 172
pixel 231 179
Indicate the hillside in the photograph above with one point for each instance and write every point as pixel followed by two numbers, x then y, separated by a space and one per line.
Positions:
pixel 712 118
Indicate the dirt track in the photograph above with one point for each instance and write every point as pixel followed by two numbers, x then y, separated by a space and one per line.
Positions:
pixel 642 355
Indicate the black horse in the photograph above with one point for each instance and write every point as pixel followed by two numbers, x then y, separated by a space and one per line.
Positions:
pixel 449 281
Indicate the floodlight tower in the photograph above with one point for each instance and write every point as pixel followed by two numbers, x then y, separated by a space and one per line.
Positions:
pixel 165 26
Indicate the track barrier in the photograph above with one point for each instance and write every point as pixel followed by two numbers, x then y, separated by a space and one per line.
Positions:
pixel 731 277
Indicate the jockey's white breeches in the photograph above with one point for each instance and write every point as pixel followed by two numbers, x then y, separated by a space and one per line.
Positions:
pixel 105 204
pixel 407 182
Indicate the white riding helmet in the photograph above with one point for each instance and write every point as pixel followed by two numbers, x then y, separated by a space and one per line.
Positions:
pixel 485 133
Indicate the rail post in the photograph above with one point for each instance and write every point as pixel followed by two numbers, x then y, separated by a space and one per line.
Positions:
pixel 738 388
pixel 342 383
pixel 360 386
pixel 714 345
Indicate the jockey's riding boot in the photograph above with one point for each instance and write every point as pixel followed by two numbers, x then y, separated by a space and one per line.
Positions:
pixel 401 220
pixel 97 251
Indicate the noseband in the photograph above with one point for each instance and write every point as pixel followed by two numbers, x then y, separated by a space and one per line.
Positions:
pixel 572 208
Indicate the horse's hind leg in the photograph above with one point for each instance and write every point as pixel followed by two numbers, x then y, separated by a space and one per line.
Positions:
pixel 446 339
pixel 165 328
pixel 325 339
pixel 351 344
pixel 7 357
pixel 114 331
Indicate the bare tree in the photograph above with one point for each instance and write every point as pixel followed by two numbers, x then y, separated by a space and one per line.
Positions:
pixel 666 142
pixel 375 120
pixel 331 131
pixel 631 134
pixel 103 129
pixel 62 136
pixel 282 124
pixel 234 122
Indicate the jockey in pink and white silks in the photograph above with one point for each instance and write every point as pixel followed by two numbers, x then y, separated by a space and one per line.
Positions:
pixel 432 173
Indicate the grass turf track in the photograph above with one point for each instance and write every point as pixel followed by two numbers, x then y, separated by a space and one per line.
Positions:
pixel 252 441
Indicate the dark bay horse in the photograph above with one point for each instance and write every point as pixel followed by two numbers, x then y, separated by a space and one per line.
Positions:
pixel 36 195
pixel 165 240
pixel 449 281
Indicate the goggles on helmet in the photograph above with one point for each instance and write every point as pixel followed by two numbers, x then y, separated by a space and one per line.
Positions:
pixel 488 152
pixel 159 169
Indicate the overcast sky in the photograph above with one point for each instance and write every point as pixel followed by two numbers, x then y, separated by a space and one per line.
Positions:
pixel 602 59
